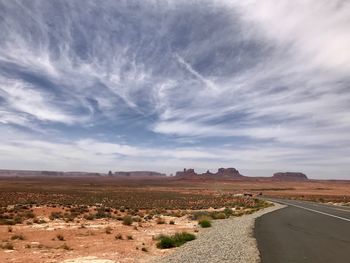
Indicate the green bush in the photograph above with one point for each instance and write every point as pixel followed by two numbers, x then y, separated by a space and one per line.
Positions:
pixel 228 212
pixel 204 223
pixel 127 220
pixel 175 241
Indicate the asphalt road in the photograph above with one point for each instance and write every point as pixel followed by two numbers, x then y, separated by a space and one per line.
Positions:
pixel 304 232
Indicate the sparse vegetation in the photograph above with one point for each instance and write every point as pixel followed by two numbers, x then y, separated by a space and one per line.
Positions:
pixel 65 247
pixel 119 237
pixel 220 215
pixel 160 221
pixel 18 237
pixel 204 223
pixel 175 241
pixel 127 220
pixel 7 246
pixel 108 230
pixel 129 237
pixel 60 237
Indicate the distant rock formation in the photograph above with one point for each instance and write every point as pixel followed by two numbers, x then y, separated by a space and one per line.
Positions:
pixel 222 173
pixel 290 176
pixel 139 174
pixel 22 173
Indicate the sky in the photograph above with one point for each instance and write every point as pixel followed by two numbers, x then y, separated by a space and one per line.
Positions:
pixel 259 85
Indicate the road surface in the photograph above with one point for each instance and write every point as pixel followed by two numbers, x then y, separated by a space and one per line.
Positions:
pixel 304 232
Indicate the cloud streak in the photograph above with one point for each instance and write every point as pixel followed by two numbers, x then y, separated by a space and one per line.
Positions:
pixel 260 85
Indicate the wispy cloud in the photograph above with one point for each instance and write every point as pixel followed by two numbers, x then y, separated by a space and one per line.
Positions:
pixel 260 85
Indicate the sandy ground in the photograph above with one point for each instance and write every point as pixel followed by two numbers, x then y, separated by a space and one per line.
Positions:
pixel 87 241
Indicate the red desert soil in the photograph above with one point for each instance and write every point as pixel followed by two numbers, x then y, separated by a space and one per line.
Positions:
pixel 102 238
pixel 92 240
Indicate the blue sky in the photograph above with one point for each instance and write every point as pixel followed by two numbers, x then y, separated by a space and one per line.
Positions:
pixel 262 86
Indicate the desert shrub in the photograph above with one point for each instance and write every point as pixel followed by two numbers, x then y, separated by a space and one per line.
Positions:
pixel 127 220
pixel 17 237
pixel 29 214
pixel 129 237
pixel 55 215
pixel 160 221
pixel 144 249
pixel 69 217
pixel 119 236
pixel 219 215
pixel 39 221
pixel 89 217
pixel 79 210
pixel 172 222
pixel 18 219
pixel 136 219
pixel 108 230
pixel 204 223
pixel 7 246
pixel 175 241
pixel 148 217
pixel 9 229
pixel 101 213
pixel 9 222
pixel 228 212
pixel 200 214
pixel 60 237
pixel 66 247
pixel 166 242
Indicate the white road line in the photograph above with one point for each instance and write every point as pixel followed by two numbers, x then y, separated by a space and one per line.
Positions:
pixel 316 211
pixel 331 207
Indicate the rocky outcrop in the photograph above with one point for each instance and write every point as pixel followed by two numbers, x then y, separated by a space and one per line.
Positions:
pixel 289 176
pixel 228 172
pixel 222 173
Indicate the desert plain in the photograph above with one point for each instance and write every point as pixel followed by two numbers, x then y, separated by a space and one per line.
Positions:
pixel 120 219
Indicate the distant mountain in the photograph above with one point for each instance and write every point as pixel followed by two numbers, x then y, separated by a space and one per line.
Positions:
pixel 289 176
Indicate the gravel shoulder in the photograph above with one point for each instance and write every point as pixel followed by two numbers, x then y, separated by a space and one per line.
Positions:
pixel 228 240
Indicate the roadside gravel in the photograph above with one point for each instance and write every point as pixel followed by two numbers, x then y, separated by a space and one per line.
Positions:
pixel 228 240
